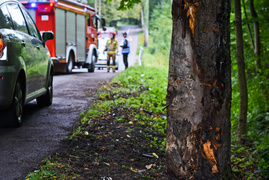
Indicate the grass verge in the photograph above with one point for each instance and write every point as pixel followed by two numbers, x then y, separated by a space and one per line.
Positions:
pixel 121 136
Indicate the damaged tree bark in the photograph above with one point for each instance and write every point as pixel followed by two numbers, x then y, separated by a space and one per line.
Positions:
pixel 199 91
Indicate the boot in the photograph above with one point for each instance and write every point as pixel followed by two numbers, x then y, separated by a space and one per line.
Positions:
pixel 108 68
pixel 114 68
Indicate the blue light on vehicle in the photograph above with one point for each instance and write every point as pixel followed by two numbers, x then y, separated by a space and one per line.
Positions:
pixel 55 0
pixel 85 9
pixel 33 4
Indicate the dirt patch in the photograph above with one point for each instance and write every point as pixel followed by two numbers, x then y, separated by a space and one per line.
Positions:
pixel 108 149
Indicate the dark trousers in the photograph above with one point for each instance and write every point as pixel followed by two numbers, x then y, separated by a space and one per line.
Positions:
pixel 125 60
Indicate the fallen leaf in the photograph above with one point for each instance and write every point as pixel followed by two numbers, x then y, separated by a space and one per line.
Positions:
pixel 142 171
pixel 107 164
pixel 95 163
pixel 148 166
pixel 155 155
pixel 131 168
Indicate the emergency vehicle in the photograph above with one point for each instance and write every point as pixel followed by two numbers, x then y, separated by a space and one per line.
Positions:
pixel 74 25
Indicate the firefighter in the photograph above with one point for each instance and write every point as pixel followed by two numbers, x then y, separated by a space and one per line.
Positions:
pixel 125 49
pixel 112 49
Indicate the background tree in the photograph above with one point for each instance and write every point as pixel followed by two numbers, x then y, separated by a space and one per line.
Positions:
pixel 112 15
pixel 145 20
pixel 242 121
pixel 257 47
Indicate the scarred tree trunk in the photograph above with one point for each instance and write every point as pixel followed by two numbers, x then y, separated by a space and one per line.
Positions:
pixel 199 91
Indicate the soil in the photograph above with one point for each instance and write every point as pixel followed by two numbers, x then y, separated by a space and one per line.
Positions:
pixel 108 149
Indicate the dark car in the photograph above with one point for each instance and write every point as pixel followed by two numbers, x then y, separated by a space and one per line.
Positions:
pixel 25 65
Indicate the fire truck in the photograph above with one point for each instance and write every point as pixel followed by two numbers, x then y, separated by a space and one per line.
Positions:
pixel 74 25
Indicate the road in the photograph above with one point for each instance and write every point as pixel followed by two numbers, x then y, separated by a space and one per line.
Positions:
pixel 43 128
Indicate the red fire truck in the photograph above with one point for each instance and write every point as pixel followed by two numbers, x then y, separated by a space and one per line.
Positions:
pixel 74 25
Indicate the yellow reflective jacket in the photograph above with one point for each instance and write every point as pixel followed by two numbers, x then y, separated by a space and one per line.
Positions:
pixel 111 46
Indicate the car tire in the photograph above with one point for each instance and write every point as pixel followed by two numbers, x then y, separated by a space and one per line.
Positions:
pixel 46 100
pixel 91 66
pixel 12 117
pixel 70 64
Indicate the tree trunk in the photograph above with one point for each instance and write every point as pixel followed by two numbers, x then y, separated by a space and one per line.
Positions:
pixel 199 91
pixel 248 26
pixel 242 121
pixel 146 22
pixel 257 49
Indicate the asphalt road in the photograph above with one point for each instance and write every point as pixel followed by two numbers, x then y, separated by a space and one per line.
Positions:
pixel 43 128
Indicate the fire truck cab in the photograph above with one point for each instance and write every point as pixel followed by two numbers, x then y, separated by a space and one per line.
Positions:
pixel 74 25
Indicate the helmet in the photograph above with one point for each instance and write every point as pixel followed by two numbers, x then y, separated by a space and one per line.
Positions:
pixel 112 35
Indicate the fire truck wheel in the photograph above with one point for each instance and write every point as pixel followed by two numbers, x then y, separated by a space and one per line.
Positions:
pixel 92 65
pixel 70 64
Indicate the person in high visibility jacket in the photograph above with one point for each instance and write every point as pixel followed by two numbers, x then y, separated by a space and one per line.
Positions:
pixel 112 49
pixel 125 49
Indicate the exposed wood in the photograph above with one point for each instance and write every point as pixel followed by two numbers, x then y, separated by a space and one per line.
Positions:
pixel 199 91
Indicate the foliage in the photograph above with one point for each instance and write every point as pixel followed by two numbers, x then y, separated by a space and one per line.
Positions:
pixel 258 87
pixel 160 25
pixel 110 10
pixel 127 4
pixel 47 171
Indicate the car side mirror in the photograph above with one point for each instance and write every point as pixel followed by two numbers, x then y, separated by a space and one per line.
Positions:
pixel 47 36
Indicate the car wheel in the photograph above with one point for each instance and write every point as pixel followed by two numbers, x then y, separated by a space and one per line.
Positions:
pixel 12 117
pixel 92 66
pixel 70 64
pixel 46 100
